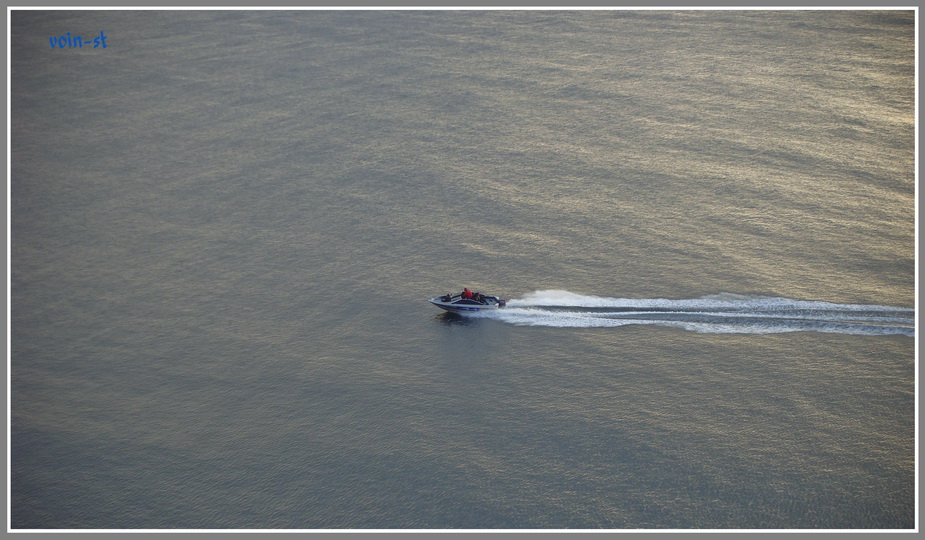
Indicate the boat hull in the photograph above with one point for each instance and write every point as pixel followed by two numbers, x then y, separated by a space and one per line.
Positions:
pixel 463 307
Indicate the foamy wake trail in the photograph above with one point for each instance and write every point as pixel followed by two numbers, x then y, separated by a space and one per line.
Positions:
pixel 719 314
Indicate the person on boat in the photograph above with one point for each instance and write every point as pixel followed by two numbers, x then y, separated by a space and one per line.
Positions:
pixel 467 294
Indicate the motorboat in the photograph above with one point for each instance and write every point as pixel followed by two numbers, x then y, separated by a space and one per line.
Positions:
pixel 457 304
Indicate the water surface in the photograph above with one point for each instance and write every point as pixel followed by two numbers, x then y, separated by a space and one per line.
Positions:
pixel 225 226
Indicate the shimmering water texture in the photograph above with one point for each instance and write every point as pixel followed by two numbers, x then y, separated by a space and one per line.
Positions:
pixel 715 314
pixel 225 226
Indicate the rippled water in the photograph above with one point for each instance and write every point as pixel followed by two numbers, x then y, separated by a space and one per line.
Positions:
pixel 226 224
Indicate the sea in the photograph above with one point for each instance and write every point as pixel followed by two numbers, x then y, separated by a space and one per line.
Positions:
pixel 225 226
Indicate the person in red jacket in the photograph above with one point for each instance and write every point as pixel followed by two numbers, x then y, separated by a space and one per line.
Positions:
pixel 467 294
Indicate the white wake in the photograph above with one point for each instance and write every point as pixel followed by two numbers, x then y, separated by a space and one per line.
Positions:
pixel 720 313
